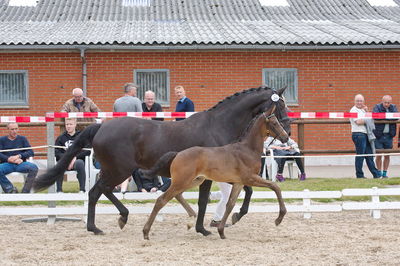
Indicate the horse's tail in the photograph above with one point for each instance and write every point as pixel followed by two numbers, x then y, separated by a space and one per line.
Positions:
pixel 83 140
pixel 163 162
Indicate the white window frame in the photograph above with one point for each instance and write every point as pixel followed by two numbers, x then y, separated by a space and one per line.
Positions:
pixel 24 102
pixel 163 102
pixel 291 94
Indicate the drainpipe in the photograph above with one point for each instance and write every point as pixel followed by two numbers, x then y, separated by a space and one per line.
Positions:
pixel 84 72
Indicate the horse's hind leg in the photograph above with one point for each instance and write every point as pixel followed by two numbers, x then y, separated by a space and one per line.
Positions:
pixel 160 203
pixel 204 192
pixel 236 188
pixel 245 206
pixel 257 181
pixel 94 195
pixel 185 205
pixel 123 211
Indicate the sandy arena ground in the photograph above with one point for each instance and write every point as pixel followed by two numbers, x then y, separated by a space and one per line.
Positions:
pixel 346 238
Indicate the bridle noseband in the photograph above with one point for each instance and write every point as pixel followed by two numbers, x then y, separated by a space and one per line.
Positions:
pixel 267 118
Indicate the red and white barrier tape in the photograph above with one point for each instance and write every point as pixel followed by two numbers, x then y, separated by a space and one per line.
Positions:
pixel 25 119
pixel 51 116
pixel 122 114
pixel 188 114
pixel 343 115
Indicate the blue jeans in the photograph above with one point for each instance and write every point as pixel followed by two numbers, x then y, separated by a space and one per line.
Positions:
pixel 363 146
pixel 24 167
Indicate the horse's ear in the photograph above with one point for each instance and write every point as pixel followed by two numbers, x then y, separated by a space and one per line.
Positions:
pixel 271 110
pixel 282 90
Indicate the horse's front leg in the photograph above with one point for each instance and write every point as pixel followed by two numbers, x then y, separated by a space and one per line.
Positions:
pixel 236 188
pixel 245 206
pixel 204 192
pixel 257 181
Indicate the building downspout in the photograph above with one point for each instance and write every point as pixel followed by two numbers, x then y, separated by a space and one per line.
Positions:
pixel 84 71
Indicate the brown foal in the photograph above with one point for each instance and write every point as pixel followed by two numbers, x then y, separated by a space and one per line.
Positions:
pixel 237 163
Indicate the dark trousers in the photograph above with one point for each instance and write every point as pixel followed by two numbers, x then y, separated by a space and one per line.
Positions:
pixel 281 163
pixel 79 167
pixel 363 146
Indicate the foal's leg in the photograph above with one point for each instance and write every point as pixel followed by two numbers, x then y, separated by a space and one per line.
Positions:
pixel 202 203
pixel 94 195
pixel 123 211
pixel 160 203
pixel 245 206
pixel 236 188
pixel 175 189
pixel 257 181
pixel 185 205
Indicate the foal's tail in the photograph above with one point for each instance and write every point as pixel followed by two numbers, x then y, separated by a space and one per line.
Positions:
pixel 163 162
pixel 84 139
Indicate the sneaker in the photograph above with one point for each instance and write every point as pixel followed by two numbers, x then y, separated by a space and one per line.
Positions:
pixel 14 190
pixel 280 178
pixel 216 224
pixel 81 192
pixel 303 177
pixel 60 192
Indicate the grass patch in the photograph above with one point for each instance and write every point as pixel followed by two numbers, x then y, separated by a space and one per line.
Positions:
pixel 313 184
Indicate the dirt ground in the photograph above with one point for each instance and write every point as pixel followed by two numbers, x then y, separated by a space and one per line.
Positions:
pixel 345 238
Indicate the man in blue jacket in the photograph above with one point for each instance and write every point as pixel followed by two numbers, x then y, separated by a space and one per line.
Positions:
pixel 184 104
pixel 384 133
pixel 15 161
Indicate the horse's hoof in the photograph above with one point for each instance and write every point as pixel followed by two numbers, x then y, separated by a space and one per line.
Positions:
pixel 222 236
pixel 203 231
pixel 96 231
pixel 235 218
pixel 278 221
pixel 122 221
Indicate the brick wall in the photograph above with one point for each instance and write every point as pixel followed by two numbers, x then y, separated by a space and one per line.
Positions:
pixel 327 81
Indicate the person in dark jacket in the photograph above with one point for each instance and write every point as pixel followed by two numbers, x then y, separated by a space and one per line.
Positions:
pixel 78 163
pixel 384 133
pixel 150 185
pixel 150 105
pixel 184 104
pixel 15 161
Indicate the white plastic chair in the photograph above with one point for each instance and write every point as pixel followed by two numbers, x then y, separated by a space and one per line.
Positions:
pixel 93 171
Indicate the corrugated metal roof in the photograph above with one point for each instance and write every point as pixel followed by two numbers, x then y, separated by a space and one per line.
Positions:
pixel 188 22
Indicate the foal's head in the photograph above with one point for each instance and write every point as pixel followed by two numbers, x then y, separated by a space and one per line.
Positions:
pixel 273 127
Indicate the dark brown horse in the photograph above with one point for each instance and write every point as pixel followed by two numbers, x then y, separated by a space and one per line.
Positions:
pixel 125 144
pixel 237 163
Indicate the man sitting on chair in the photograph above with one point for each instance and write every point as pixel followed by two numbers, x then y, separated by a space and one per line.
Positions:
pixel 288 149
pixel 15 161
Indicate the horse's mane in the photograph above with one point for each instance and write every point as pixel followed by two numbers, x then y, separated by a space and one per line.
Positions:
pixel 234 96
pixel 249 126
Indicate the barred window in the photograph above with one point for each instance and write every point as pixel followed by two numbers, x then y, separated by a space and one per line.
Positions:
pixel 280 77
pixel 156 80
pixel 13 87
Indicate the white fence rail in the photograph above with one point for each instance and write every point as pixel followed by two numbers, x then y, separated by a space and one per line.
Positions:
pixel 307 207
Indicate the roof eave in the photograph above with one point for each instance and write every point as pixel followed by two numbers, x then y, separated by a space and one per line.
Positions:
pixel 280 47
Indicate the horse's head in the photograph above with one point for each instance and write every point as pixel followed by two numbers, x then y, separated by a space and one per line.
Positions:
pixel 274 128
pixel 275 98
